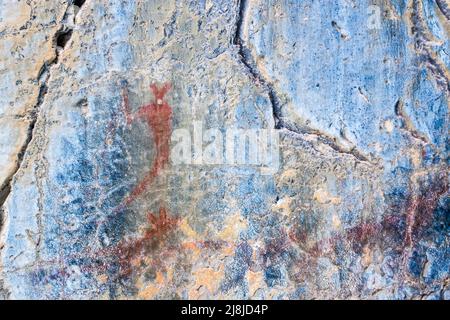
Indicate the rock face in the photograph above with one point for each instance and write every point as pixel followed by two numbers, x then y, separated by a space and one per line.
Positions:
pixel 224 149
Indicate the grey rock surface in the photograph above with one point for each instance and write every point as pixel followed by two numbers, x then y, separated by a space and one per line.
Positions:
pixel 118 182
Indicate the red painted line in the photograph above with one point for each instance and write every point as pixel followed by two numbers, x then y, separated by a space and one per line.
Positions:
pixel 158 116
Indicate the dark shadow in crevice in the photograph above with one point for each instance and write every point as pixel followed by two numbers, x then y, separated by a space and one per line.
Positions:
pixel 78 3
pixel 62 37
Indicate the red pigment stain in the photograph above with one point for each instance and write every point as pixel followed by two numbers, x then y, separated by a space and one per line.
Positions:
pixel 419 212
pixel 363 234
pixel 158 116
pixel 158 229
pixel 275 248
pixel 154 239
pixel 127 252
pixel 417 217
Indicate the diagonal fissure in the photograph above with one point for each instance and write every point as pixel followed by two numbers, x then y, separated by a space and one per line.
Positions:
pixel 247 60
pixel 59 40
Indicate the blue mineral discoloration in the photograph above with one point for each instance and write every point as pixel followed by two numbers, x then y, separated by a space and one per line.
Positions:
pixel 272 276
pixel 236 271
pixel 357 209
pixel 78 197
pixel 345 75
pixel 428 110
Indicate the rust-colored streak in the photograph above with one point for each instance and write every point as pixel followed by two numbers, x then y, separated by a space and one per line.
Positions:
pixel 419 212
pixel 158 116
pixel 126 106
pixel 159 228
pixel 407 228
pixel 363 234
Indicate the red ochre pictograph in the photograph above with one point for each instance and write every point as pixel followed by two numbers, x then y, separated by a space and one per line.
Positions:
pixel 158 116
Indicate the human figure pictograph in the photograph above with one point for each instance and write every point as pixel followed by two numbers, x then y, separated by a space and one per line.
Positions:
pixel 158 116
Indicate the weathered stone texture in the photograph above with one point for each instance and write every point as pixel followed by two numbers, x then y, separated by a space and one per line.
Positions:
pixel 357 92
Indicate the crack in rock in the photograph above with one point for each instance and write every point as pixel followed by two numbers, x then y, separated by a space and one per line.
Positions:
pixel 444 7
pixel 407 123
pixel 423 44
pixel 280 123
pixel 60 40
